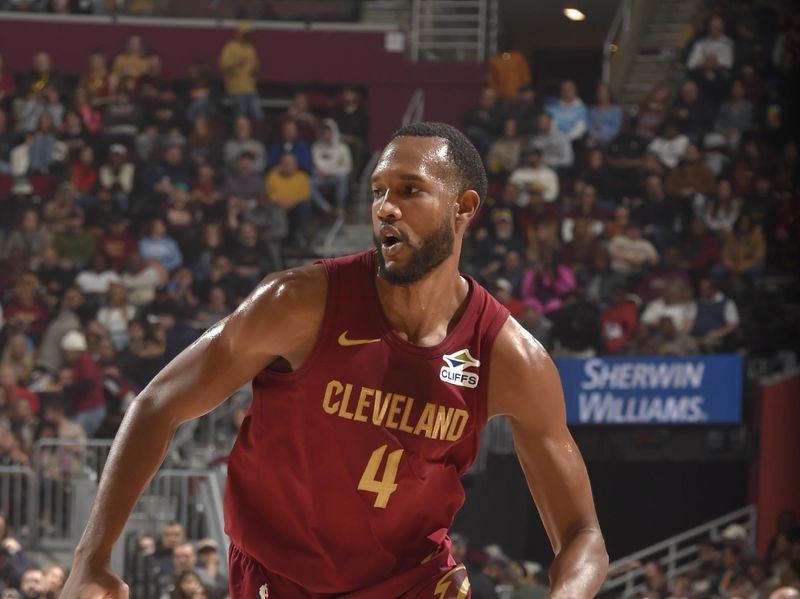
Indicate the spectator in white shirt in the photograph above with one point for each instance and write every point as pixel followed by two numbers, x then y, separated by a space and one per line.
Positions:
pixel 116 315
pixel 670 146
pixel 675 303
pixel 534 171
pixel 716 43
pixel 631 253
pixel 94 283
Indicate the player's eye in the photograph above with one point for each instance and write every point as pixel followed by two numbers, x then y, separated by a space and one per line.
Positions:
pixel 377 193
pixel 410 190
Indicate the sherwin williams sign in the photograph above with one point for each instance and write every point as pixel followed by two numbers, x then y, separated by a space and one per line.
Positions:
pixel 653 390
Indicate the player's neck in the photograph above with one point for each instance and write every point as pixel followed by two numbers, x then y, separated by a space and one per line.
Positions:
pixel 424 312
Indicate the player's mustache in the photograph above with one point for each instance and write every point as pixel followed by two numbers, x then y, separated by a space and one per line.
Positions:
pixel 387 228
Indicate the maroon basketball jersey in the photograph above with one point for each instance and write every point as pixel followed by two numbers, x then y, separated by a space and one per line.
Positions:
pixel 347 471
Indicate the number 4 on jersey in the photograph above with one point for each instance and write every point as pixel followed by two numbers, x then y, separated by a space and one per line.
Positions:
pixel 386 486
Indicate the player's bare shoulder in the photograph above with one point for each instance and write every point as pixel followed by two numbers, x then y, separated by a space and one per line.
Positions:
pixel 284 313
pixel 523 380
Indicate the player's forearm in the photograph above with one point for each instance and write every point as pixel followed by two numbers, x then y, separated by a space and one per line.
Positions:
pixel 580 567
pixel 137 452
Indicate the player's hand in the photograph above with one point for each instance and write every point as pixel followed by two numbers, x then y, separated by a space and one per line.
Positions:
pixel 89 581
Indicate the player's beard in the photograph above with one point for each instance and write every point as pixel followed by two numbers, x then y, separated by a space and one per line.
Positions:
pixel 435 249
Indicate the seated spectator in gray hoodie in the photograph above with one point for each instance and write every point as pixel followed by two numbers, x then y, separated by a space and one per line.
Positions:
pixel 332 166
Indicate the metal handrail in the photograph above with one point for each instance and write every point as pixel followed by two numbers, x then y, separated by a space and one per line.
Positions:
pixel 620 24
pixel 674 553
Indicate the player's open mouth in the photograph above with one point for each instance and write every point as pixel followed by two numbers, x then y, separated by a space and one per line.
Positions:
pixel 391 245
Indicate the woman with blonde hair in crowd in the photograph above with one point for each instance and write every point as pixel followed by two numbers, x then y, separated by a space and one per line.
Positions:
pixel 18 354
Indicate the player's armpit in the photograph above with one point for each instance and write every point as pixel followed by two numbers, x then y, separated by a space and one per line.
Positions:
pixel 524 385
pixel 280 318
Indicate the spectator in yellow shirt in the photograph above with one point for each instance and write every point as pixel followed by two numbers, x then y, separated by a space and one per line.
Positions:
pixel 507 72
pixel 132 63
pixel 290 188
pixel 239 64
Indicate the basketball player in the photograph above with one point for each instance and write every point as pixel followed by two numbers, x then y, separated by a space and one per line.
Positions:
pixel 373 375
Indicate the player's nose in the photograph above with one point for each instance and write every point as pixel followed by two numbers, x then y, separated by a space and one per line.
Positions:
pixel 387 209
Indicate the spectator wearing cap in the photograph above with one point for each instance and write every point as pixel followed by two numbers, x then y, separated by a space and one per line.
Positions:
pixel 503 292
pixel 117 173
pixel 555 147
pixel 85 392
pixel 157 246
pixel 75 243
pixel 333 165
pixel 243 141
pixel 715 43
pixel 208 567
pixel 239 64
pixel 604 119
pixel 569 113
pixel 504 153
pixel 290 143
pixel 534 171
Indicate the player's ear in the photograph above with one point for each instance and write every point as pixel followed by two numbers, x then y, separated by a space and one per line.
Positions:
pixel 467 206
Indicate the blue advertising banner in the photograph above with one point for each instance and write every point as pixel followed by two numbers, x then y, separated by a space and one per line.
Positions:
pixel 653 390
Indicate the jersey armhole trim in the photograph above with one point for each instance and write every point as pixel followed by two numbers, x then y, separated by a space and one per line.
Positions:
pixel 319 343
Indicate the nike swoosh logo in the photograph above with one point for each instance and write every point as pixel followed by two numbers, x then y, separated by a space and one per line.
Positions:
pixel 344 341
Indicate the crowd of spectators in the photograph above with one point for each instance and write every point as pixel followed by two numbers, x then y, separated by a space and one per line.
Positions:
pixel 726 567
pixel 137 210
pixel 20 579
pixel 655 230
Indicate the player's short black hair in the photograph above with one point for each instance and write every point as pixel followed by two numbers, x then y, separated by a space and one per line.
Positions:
pixel 460 151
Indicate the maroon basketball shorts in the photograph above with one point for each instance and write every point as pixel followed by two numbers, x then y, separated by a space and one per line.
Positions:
pixel 438 578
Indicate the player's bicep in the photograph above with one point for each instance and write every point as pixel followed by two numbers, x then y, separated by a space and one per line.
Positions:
pixel 273 321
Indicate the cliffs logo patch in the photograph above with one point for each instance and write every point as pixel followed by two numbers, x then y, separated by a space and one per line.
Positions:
pixel 455 372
